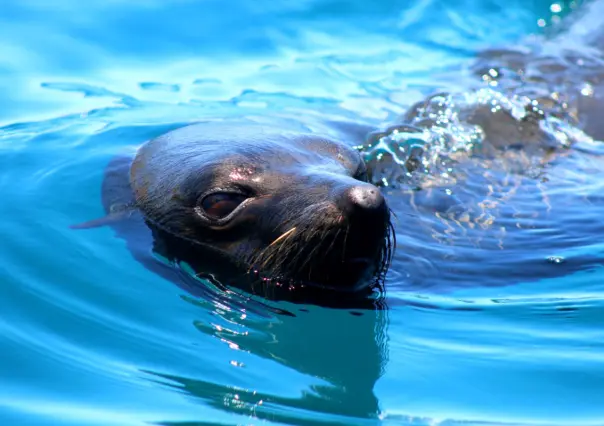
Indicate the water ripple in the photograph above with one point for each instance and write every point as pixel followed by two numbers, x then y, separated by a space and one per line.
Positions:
pixel 473 334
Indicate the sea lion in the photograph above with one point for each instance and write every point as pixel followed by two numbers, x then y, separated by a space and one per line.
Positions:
pixel 241 202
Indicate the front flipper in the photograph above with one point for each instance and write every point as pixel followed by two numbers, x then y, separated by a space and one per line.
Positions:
pixel 117 213
pixel 116 195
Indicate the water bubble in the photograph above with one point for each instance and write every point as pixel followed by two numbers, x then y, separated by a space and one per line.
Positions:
pixel 587 90
pixel 555 259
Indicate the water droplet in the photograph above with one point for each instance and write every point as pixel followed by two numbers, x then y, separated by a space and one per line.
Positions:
pixel 556 8
pixel 587 90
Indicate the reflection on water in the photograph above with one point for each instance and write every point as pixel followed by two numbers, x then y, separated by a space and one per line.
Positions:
pixel 344 353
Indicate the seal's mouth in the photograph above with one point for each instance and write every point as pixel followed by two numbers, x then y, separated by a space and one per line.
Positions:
pixel 353 267
pixel 347 258
pixel 357 273
pixel 356 268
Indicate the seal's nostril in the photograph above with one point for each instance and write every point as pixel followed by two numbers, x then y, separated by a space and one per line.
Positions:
pixel 365 196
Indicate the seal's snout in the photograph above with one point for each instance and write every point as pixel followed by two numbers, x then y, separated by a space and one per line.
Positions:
pixel 366 197
pixel 362 200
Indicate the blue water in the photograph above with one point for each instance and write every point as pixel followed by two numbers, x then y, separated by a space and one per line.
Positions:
pixel 91 337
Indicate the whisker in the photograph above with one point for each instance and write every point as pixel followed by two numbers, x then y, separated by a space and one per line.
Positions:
pixel 302 244
pixel 282 224
pixel 393 215
pixel 389 248
pixel 333 240
pixel 345 241
pixel 318 246
pixel 283 236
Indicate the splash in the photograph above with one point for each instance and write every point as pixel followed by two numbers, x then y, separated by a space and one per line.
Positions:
pixel 449 127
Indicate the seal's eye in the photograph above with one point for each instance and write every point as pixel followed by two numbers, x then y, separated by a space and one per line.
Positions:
pixel 220 204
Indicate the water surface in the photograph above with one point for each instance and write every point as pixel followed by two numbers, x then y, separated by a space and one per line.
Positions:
pixel 91 337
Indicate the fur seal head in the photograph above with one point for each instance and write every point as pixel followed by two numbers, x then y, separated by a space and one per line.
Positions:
pixel 291 208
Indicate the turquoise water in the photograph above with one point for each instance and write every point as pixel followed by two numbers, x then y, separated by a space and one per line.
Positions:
pixel 91 337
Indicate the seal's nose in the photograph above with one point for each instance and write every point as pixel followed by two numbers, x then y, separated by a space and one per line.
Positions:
pixel 365 196
pixel 362 199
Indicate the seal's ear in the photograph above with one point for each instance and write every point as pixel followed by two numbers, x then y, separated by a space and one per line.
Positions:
pixel 117 214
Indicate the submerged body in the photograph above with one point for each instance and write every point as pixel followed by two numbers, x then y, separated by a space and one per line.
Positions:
pixel 289 215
